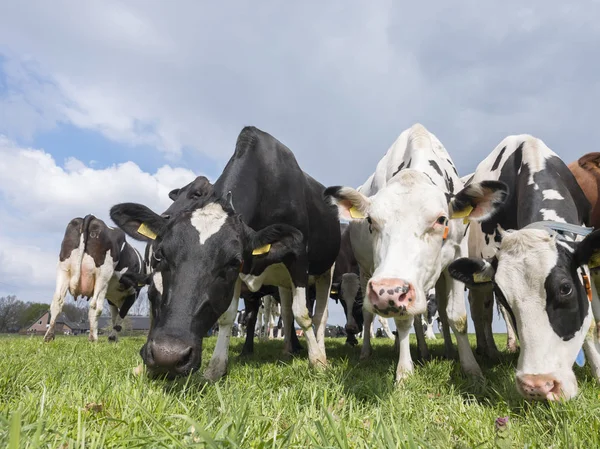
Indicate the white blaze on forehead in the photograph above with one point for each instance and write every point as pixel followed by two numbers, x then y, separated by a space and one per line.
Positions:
pixel 525 259
pixel 157 280
pixel 552 194
pixel 208 220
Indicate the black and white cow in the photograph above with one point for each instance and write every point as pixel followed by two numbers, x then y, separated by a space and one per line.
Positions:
pixel 264 221
pixel 404 236
pixel 540 276
pixel 93 257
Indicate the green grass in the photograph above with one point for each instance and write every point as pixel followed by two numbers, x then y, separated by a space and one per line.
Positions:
pixel 269 402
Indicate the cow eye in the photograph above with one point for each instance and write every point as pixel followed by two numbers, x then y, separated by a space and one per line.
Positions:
pixel 566 289
pixel 442 220
pixel 370 221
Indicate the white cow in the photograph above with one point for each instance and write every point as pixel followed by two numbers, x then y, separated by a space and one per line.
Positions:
pixel 404 235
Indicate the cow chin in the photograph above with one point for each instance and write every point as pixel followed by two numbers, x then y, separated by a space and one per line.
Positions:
pixel 171 355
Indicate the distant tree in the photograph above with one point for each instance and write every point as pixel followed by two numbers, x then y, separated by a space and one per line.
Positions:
pixel 76 311
pixel 11 310
pixel 32 311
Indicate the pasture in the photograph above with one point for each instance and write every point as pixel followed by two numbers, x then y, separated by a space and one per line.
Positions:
pixel 73 394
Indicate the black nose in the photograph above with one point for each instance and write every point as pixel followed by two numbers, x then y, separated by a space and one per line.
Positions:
pixel 170 354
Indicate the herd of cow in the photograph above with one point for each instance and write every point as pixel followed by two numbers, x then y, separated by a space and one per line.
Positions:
pixel 520 229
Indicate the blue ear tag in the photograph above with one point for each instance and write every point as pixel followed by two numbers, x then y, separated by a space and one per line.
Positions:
pixel 580 360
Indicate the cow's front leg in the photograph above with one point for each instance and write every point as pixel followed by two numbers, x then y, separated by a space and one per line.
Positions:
pixel 322 287
pixel 453 301
pixel 316 357
pixel 366 349
pixel 405 363
pixel 591 346
pixel 217 367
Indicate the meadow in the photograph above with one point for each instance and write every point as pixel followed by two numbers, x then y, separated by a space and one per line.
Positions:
pixel 73 394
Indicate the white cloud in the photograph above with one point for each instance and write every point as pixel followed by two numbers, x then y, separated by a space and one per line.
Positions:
pixel 38 199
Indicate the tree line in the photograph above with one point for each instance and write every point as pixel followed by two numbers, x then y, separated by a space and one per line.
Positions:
pixel 16 314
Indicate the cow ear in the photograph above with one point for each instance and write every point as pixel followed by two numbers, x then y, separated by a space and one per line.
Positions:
pixel 479 201
pixel 138 221
pixel 173 194
pixel 472 272
pixel 274 244
pixel 351 204
pixel 588 251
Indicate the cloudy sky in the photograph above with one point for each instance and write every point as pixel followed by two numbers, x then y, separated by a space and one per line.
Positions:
pixel 109 101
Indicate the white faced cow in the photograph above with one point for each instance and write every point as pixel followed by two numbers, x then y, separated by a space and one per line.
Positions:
pixel 538 274
pixel 404 236
pixel 264 221
pixel 93 257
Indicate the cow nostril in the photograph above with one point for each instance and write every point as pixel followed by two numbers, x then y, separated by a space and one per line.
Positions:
pixel 185 356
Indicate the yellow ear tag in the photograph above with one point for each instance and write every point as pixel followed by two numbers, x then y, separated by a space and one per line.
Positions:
pixel 146 231
pixel 262 250
pixel 479 278
pixel 355 213
pixel 462 213
pixel 334 291
pixel 594 261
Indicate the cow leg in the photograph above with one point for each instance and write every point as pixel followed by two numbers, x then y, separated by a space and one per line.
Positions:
pixel 511 340
pixel 322 288
pixel 348 290
pixel 386 327
pixel 429 334
pixel 423 350
pixel 453 301
pixel 316 357
pixel 116 322
pixel 405 363
pixel 476 300
pixel 217 367
pixel 96 304
pixel 367 348
pixel 58 300
pixel 252 306
pixel 441 297
pixel 287 319
pixel 488 313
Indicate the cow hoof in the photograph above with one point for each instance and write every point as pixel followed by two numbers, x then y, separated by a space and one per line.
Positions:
pixel 366 352
pixel 319 362
pixel 215 371
pixel 112 338
pixel 49 338
pixel 401 376
pixel 474 372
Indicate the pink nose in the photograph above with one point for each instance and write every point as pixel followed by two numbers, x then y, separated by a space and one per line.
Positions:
pixel 390 297
pixel 539 386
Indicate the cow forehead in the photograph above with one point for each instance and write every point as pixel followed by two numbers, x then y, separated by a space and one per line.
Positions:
pixel 208 220
pixel 410 200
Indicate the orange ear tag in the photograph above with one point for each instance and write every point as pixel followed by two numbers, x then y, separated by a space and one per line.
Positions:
pixel 588 287
pixel 446 230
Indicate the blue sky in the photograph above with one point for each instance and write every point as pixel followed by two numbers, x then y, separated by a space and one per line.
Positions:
pixel 104 101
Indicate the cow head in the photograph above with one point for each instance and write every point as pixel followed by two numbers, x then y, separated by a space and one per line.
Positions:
pixel 409 228
pixel 543 283
pixel 198 254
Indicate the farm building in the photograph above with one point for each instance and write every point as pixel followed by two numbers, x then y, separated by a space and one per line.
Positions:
pixel 63 325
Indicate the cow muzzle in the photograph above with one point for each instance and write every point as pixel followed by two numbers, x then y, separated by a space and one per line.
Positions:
pixel 539 387
pixel 171 356
pixel 391 297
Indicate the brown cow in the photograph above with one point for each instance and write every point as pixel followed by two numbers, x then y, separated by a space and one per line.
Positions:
pixel 587 173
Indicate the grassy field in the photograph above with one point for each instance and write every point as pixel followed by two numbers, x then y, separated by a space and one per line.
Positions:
pixel 72 394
